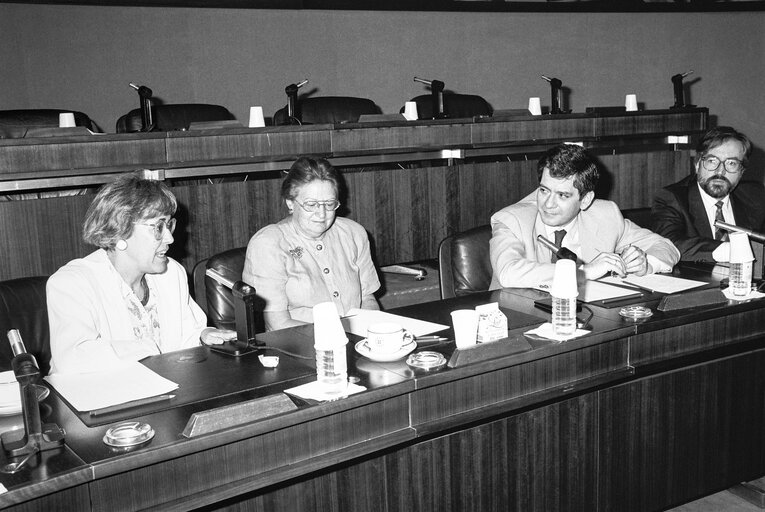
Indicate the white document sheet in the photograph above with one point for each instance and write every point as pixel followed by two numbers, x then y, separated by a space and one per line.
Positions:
pixel 598 291
pixel 358 320
pixel 660 283
pixel 88 391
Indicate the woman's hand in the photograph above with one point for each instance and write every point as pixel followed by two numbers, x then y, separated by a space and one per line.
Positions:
pixel 213 336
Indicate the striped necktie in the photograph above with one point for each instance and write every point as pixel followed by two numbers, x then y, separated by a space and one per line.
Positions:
pixel 559 234
pixel 720 234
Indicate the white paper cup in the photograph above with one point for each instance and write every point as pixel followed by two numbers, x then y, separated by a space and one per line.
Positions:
pixel 256 118
pixel 630 102
pixel 410 111
pixel 740 248
pixel 66 120
pixel 564 280
pixel 387 337
pixel 535 107
pixel 328 331
pixel 465 323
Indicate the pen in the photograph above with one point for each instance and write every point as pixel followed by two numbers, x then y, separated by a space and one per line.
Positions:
pixel 130 405
pixel 621 298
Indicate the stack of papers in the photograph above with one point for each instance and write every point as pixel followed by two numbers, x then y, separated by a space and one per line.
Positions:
pixel 10 396
pixel 655 283
pixel 89 391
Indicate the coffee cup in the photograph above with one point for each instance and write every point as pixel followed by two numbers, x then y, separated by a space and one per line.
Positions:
pixel 387 337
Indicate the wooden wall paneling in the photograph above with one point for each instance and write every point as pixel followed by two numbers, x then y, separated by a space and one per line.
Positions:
pixel 632 179
pixel 657 452
pixel 424 135
pixel 676 124
pixel 695 335
pixel 533 130
pixel 67 153
pixel 256 462
pixel 40 235
pixel 74 498
pixel 285 143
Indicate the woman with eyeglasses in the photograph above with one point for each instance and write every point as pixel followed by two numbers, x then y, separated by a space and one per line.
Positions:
pixel 127 300
pixel 310 256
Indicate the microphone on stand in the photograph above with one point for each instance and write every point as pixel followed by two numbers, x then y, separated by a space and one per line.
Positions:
pixel 754 235
pixel 563 253
pixel 677 85
pixel 555 94
pixel 437 91
pixel 293 116
pixel 144 96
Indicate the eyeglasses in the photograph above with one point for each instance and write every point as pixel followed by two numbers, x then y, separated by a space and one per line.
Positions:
pixel 731 165
pixel 160 226
pixel 312 206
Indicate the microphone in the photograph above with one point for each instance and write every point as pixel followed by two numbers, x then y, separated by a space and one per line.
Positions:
pixel 759 237
pixel 562 253
pixel 437 90
pixel 144 96
pixel 293 116
pixel 555 94
pixel 677 85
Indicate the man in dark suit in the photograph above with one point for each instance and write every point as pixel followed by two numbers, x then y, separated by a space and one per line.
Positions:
pixel 685 212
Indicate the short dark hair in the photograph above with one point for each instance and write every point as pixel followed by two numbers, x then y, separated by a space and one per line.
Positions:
pixel 120 204
pixel 720 135
pixel 566 160
pixel 305 170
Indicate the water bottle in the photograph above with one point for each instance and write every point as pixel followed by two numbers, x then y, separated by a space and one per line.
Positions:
pixel 330 340
pixel 332 368
pixel 564 292
pixel 564 315
pixel 740 278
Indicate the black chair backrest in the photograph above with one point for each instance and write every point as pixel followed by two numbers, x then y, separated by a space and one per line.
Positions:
pixel 220 301
pixel 455 106
pixel 14 124
pixel 23 307
pixel 169 118
pixel 464 263
pixel 330 110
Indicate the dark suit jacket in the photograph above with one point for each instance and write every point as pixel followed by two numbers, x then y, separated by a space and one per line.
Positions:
pixel 678 214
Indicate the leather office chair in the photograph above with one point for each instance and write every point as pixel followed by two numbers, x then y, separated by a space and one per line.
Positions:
pixel 23 307
pixel 464 264
pixel 168 118
pixel 329 110
pixel 14 124
pixel 455 106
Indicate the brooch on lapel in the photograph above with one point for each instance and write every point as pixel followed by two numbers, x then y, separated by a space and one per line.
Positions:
pixel 297 252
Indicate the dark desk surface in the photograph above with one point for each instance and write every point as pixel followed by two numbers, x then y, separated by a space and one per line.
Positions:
pixel 209 380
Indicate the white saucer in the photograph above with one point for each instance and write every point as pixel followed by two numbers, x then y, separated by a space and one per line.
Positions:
pixel 363 348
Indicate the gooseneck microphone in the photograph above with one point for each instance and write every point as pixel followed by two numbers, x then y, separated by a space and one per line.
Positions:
pixel 293 115
pixel 144 97
pixel 677 85
pixel 563 253
pixel 437 92
pixel 555 94
pixel 754 235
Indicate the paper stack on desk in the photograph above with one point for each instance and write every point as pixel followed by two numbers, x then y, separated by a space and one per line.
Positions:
pixel 89 391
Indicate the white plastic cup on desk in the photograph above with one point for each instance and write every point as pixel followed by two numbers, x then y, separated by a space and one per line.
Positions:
pixel 741 257
pixel 630 102
pixel 535 107
pixel 465 322
pixel 66 120
pixel 410 111
pixel 564 293
pixel 329 342
pixel 256 118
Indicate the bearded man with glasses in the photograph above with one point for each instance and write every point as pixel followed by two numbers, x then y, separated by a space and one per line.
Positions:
pixel 686 211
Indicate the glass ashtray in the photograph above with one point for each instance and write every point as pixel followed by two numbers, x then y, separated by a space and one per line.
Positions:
pixel 426 360
pixel 635 312
pixel 128 434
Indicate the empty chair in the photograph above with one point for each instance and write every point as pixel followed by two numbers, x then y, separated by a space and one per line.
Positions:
pixel 329 110
pixel 455 106
pixel 23 307
pixel 16 124
pixel 168 118
pixel 463 262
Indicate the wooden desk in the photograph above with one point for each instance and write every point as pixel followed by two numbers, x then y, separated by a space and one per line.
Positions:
pixel 410 184
pixel 634 416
